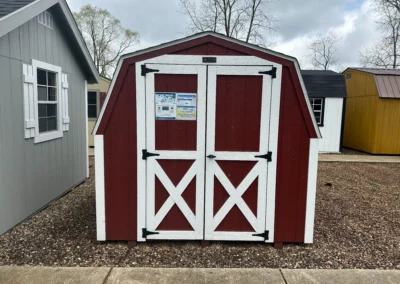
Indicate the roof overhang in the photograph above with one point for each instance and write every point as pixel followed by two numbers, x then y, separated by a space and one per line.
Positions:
pixel 21 16
pixel 223 37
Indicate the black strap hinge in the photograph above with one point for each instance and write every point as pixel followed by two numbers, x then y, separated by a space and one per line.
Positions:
pixel 146 70
pixel 146 154
pixel 271 72
pixel 264 235
pixel 146 233
pixel 267 156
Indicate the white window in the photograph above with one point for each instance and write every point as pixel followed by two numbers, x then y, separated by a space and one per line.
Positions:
pixel 46 19
pixel 45 101
pixel 317 105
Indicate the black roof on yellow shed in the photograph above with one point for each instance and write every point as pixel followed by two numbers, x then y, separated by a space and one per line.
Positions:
pixel 324 84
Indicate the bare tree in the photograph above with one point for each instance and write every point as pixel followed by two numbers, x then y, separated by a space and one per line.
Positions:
pixel 323 50
pixel 105 37
pixel 241 19
pixel 385 53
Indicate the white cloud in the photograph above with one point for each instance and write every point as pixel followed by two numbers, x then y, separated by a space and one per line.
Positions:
pixel 298 22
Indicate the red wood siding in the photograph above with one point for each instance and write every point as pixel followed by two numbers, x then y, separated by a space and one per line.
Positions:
pixel 120 164
pixel 209 48
pixel 176 134
pixel 238 113
pixel 292 168
pixel 235 171
pixel 175 170
pixel 119 129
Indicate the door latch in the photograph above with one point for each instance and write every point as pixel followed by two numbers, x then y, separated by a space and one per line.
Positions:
pixel 211 156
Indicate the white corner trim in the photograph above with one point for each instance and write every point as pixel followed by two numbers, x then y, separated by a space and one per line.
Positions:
pixel 311 191
pixel 86 130
pixel 100 188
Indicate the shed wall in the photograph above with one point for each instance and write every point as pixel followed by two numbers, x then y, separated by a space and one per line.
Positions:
pixel 361 112
pixel 31 175
pixel 331 131
pixel 372 124
pixel 292 173
pixel 387 137
pixel 119 129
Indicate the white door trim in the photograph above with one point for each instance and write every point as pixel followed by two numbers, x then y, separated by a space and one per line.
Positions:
pixel 260 170
pixel 220 60
pixel 148 217
pixel 274 115
pixel 273 137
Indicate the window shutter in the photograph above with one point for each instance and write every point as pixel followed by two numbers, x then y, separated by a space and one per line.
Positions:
pixel 64 102
pixel 29 105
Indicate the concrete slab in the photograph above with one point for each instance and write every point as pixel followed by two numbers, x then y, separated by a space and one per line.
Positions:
pixel 194 276
pixel 56 275
pixel 358 158
pixel 349 276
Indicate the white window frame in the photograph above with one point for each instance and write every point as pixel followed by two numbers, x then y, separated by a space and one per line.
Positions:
pixel 46 19
pixel 50 135
pixel 320 123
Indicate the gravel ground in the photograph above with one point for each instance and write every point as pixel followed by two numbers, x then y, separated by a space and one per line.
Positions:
pixel 357 226
pixel 346 151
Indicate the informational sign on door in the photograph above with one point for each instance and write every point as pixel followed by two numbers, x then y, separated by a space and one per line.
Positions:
pixel 186 106
pixel 165 105
pixel 176 106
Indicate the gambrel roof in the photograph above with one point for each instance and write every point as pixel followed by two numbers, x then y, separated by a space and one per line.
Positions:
pixel 14 13
pixel 168 47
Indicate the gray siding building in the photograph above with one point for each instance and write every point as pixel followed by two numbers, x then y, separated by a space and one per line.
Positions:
pixel 45 67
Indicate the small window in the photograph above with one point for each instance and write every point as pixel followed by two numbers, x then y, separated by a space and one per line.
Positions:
pixel 317 105
pixel 92 104
pixel 47 100
pixel 46 19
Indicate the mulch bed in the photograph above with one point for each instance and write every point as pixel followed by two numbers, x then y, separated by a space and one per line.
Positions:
pixel 357 226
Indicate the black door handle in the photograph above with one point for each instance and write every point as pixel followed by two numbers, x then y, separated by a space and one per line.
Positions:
pixel 211 156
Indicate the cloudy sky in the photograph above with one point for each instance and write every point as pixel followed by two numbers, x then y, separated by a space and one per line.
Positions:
pixel 297 22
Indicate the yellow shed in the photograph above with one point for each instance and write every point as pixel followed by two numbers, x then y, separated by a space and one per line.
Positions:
pixel 372 121
pixel 96 95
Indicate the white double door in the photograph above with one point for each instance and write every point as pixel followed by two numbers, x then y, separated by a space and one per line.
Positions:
pixel 207 218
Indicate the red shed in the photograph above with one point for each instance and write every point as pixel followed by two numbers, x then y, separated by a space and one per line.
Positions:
pixel 206 138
